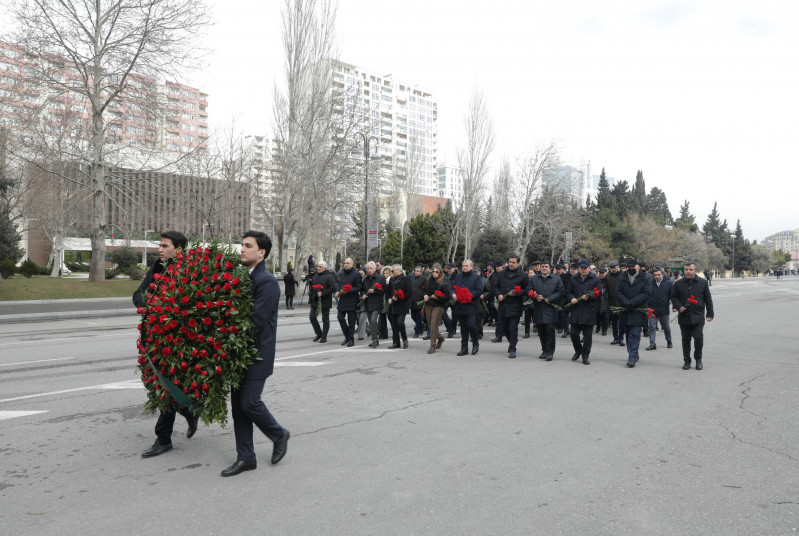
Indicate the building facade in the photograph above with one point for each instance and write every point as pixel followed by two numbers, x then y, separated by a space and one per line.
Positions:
pixel 786 241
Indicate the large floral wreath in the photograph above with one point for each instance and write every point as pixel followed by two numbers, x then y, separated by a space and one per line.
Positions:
pixel 197 332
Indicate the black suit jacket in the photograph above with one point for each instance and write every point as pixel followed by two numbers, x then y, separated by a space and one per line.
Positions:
pixel 266 297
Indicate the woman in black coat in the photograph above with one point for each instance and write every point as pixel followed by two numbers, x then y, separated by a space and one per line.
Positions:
pixel 290 284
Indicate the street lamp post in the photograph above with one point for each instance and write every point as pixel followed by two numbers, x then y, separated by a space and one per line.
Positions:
pixel 366 140
pixel 274 215
pixel 144 259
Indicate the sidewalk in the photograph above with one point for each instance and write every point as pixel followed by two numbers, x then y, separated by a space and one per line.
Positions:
pixel 48 310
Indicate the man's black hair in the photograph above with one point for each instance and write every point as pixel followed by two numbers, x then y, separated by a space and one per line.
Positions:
pixel 179 240
pixel 263 241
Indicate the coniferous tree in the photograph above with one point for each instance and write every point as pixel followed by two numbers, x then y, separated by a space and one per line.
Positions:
pixel 715 231
pixel 686 221
pixel 638 194
pixel 658 207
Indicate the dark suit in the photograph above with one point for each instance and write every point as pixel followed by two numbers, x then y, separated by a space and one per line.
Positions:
pixel 248 408
pixel 633 294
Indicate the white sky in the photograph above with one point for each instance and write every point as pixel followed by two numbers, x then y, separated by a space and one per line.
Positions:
pixel 703 96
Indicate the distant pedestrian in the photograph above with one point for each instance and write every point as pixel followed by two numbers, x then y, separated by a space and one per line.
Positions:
pixel 290 285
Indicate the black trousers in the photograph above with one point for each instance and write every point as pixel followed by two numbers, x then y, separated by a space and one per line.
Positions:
pixel 468 325
pixel 587 332
pixel 165 422
pixel 347 319
pixel 528 318
pixel 510 328
pixel 325 321
pixel 383 326
pixel 546 334
pixel 602 320
pixel 249 409
pixel 289 301
pixel 563 320
pixel 397 327
pixel 692 331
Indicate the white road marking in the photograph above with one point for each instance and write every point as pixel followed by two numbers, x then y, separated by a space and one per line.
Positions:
pixel 303 364
pixel 13 414
pixel 70 339
pixel 37 361
pixel 130 384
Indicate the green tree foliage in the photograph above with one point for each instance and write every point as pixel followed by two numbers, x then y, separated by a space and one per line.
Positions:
pixel 425 240
pixel 686 220
pixel 658 207
pixel 714 229
pixel 638 202
pixel 124 258
pixel 621 199
pixel 493 244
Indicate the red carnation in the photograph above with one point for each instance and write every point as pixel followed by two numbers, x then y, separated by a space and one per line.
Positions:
pixel 166 350
pixel 517 289
pixel 531 294
pixel 346 288
pixel 192 322
pixel 184 366
pixel 226 276
pixel 596 292
pixel 219 370
pixel 207 321
pixel 399 294
pixel 439 294
pixel 206 387
pixel 378 286
pixel 140 310
pixel 228 265
pixel 235 281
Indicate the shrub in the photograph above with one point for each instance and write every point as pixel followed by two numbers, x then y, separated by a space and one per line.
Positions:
pixel 124 258
pixel 29 268
pixel 78 266
pixel 7 268
pixel 135 272
pixel 110 273
pixel 289 266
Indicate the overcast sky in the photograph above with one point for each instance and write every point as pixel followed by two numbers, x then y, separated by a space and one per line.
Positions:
pixel 703 96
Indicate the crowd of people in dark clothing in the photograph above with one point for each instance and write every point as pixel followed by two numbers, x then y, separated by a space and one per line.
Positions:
pixel 574 301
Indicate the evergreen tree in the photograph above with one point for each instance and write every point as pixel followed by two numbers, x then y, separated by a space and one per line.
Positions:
pixel 604 198
pixel 658 207
pixel 715 231
pixel 686 220
pixel 638 194
pixel 9 237
pixel 621 199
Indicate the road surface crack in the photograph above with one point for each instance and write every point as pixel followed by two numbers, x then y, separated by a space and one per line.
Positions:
pixel 376 417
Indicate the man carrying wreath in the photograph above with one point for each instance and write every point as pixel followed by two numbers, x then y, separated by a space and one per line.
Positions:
pixel 247 407
pixel 171 242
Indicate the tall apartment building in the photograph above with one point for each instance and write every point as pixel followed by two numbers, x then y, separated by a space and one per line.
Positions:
pixel 787 241
pixel 450 183
pixel 402 118
pixel 148 114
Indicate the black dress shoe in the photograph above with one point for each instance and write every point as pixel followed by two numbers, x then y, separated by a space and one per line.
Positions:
pixel 393 346
pixel 345 342
pixel 550 357
pixel 373 344
pixel 699 365
pixel 426 338
pixel 280 447
pixel 631 364
pixel 450 334
pixel 316 339
pixel 669 345
pixel 463 351
pixel 496 339
pixel 575 357
pixel 512 355
pixel 405 344
pixel 192 425
pixel 585 360
pixel 604 333
pixel 475 349
pixel 543 355
pixel 652 347
pixel 156 449
pixel 686 366
pixel 565 334
pixel 527 335
pixel 614 341
pixel 239 467
pixel 323 339
pixel 351 342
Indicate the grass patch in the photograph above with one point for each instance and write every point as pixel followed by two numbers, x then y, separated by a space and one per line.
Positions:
pixel 51 288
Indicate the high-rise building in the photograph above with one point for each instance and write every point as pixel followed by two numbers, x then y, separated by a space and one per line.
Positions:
pixel 402 118
pixel 148 114
pixel 786 241
pixel 450 183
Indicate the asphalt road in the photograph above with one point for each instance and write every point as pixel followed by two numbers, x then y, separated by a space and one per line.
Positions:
pixel 400 442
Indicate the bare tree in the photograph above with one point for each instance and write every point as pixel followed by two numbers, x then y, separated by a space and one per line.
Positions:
pixel 103 45
pixel 527 187
pixel 473 162
pixel 501 194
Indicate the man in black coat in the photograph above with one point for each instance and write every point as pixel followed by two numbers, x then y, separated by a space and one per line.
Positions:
pixel 584 293
pixel 632 293
pixel 548 289
pixel 602 313
pixel 467 312
pixel 563 316
pixel 373 288
pixel 290 288
pixel 325 279
pixel 417 281
pixel 611 282
pixel 659 303
pixel 690 296
pixel 510 301
pixel 171 242
pixel 247 407
pixel 348 292
pixel 399 303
